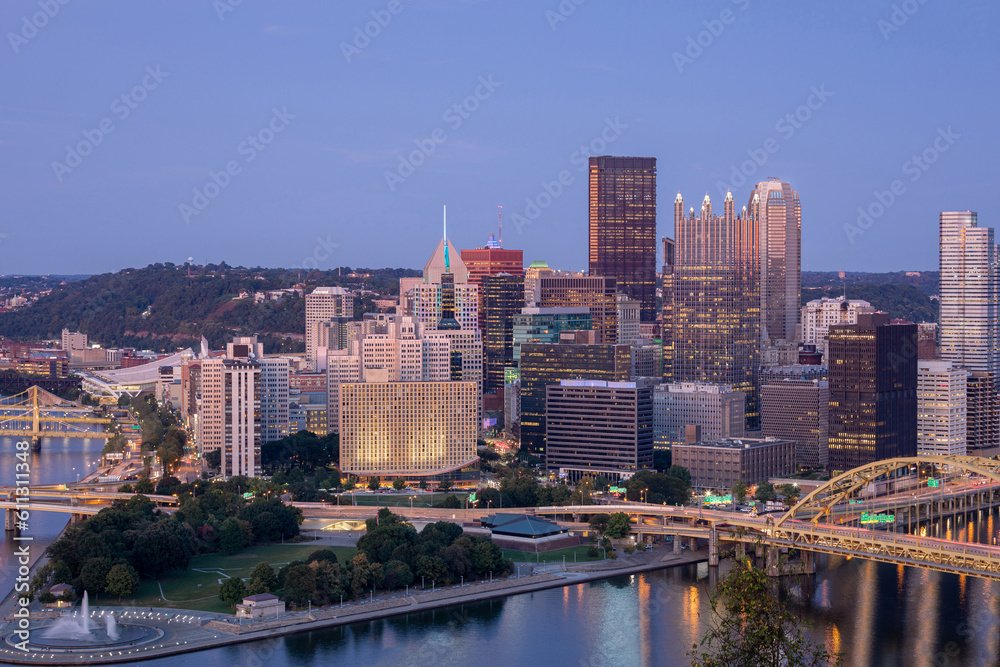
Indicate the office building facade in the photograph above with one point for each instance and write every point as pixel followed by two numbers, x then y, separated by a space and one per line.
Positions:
pixel 798 410
pixel 716 301
pixel 717 409
pixel 324 304
pixel 597 427
pixel 941 408
pixel 778 215
pixel 873 391
pixel 597 294
pixel 719 465
pixel 503 298
pixel 622 229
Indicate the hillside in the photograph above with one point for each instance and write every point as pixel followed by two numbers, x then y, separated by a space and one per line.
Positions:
pixel 161 308
pixel 906 302
pixel 925 281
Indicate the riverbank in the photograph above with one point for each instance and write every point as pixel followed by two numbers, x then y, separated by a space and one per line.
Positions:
pixel 195 631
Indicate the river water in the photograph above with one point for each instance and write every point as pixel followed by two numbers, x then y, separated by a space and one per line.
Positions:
pixel 877 614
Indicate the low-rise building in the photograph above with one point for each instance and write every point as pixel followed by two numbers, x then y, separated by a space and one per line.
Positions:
pixel 262 605
pixel 720 464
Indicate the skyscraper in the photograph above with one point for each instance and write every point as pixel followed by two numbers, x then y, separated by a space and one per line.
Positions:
pixel 622 239
pixel 324 304
pixel 490 260
pixel 667 320
pixel 775 208
pixel 798 410
pixel 230 409
pixel 941 408
pixel 502 298
pixel 716 304
pixel 543 364
pixel 969 320
pixel 597 293
pixel 873 391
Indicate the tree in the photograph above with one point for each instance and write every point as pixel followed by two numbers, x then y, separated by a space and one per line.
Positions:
pixel 765 492
pixel 599 522
pixel 234 535
pixel 444 485
pixel 122 580
pixel 739 492
pixel 790 492
pixel 144 486
pixel 681 473
pixel 374 484
pixel 618 525
pixel 300 584
pixel 752 625
pixel 399 483
pixel 213 459
pixel 423 485
pixel 232 591
pixel 94 575
pixel 263 579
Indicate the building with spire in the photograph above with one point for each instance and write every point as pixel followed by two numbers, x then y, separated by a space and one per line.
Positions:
pixel 622 228
pixel 716 300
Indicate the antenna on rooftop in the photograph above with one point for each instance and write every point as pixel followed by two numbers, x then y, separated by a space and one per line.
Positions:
pixel 500 218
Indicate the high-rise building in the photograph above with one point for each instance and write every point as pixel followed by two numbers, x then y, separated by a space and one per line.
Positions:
pixel 798 410
pixel 274 374
pixel 407 429
pixel 628 319
pixel 647 359
pixel 775 208
pixel 490 260
pixel 941 408
pixel 543 364
pixel 341 366
pixel 446 298
pixel 324 304
pixel 595 427
pixel 667 318
pixel 819 314
pixel 502 299
pixel 598 294
pixel 716 302
pixel 543 325
pixel 538 269
pixel 230 409
pixel 717 409
pixel 873 391
pixel 969 322
pixel 622 231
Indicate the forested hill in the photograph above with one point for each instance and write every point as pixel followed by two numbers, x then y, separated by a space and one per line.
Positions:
pixel 925 281
pixel 906 302
pixel 161 308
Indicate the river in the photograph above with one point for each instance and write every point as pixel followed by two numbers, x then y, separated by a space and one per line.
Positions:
pixel 877 614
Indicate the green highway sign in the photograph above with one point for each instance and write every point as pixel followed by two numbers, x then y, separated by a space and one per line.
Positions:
pixel 933 482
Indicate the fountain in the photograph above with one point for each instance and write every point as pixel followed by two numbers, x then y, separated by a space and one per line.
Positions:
pixel 74 632
pixel 72 627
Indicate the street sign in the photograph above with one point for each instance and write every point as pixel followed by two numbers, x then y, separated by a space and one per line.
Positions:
pixel 933 482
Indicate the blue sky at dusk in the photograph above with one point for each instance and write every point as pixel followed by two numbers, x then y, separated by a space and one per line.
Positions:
pixel 279 134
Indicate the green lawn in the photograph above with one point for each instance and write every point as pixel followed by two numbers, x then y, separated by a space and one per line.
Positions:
pixel 550 556
pixel 198 586
pixel 403 500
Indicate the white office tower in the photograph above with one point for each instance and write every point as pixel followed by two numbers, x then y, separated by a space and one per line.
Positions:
pixel 941 408
pixel 716 408
pixel 819 315
pixel 323 305
pixel 445 292
pixel 968 321
pixel 230 409
pixel 628 319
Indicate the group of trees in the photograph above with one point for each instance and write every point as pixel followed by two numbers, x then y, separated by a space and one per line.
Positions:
pixel 160 432
pixel 671 488
pixel 303 450
pixel 133 533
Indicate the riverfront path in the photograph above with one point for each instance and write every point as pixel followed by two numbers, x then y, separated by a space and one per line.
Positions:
pixel 186 631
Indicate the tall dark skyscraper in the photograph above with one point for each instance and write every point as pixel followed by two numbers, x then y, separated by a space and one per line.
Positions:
pixel 716 301
pixel 873 391
pixel 502 298
pixel 622 242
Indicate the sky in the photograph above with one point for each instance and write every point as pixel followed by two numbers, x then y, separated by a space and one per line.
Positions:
pixel 320 134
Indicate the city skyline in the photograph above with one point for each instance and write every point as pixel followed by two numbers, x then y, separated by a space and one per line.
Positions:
pixel 311 126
